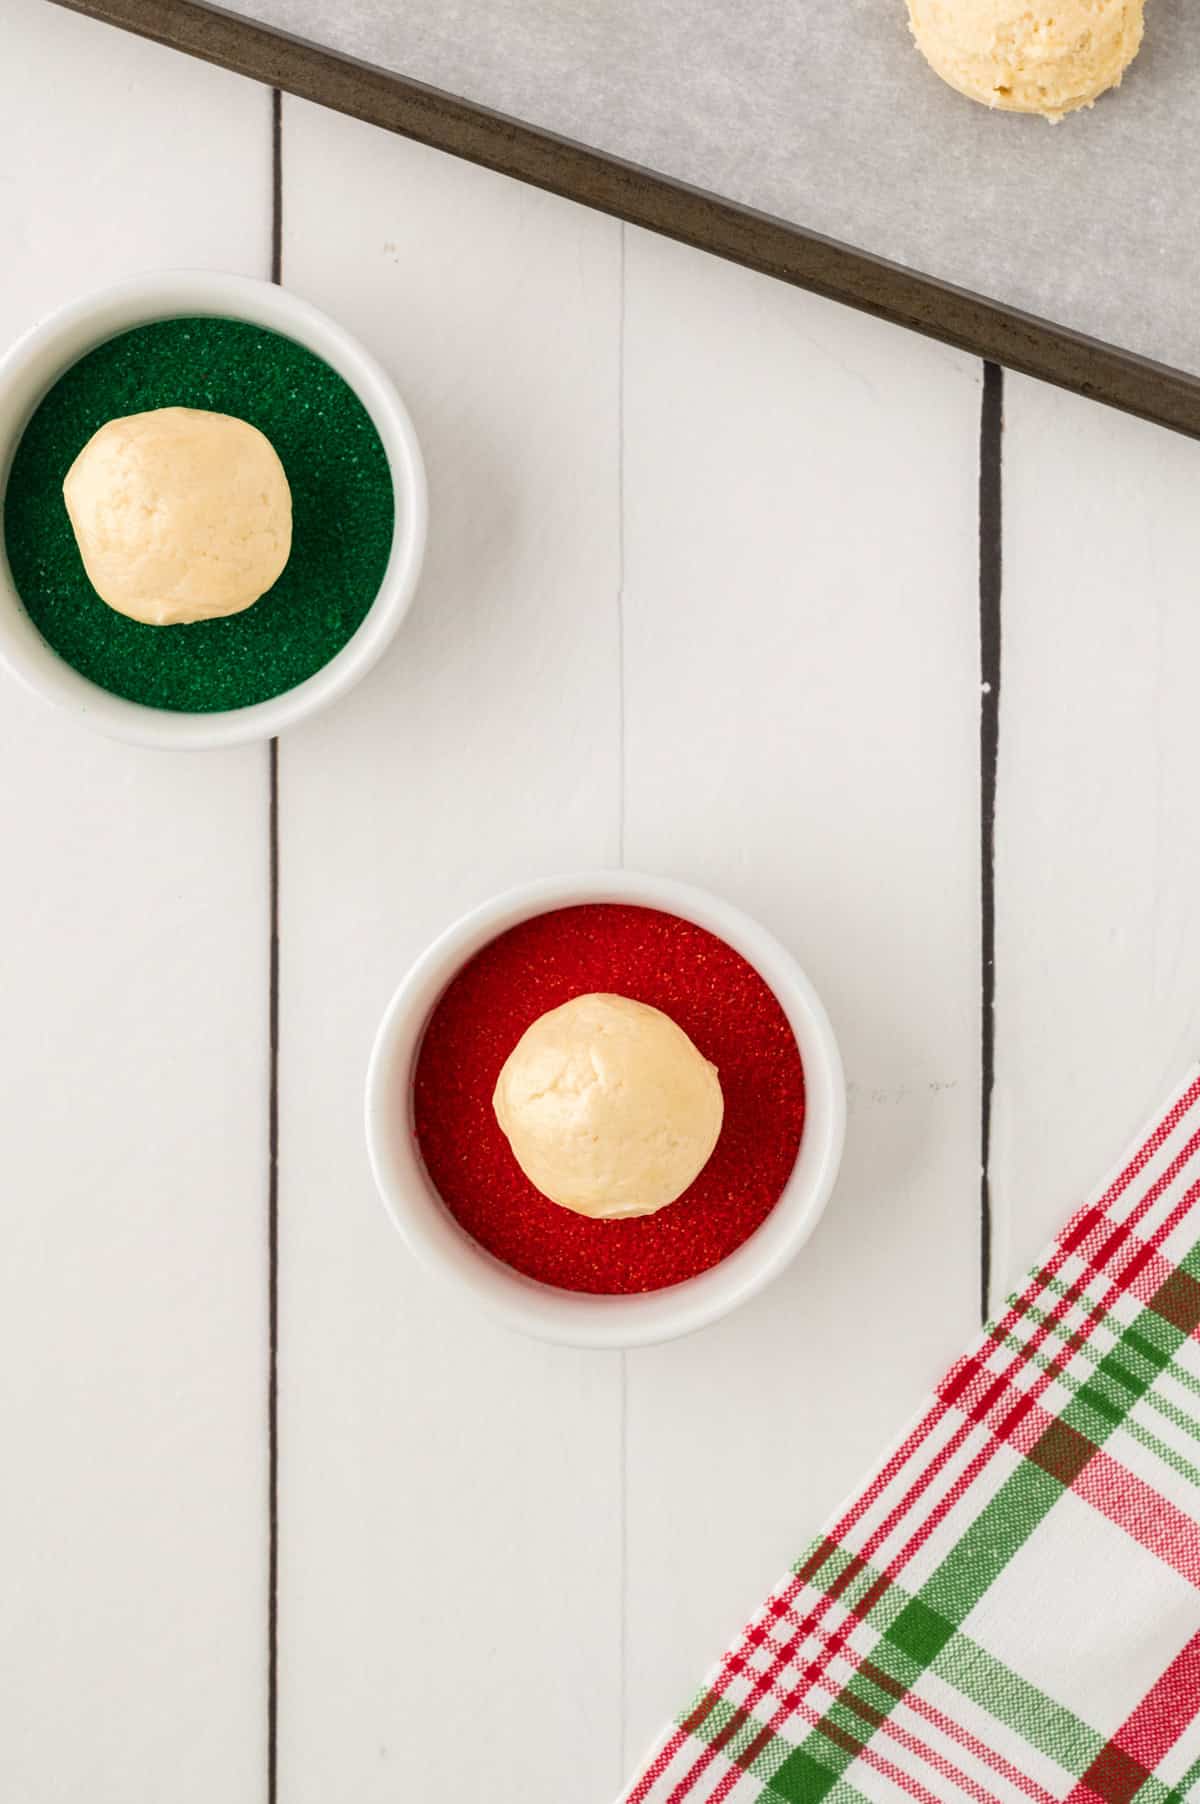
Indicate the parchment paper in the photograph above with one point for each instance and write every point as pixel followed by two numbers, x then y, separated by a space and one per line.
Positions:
pixel 827 116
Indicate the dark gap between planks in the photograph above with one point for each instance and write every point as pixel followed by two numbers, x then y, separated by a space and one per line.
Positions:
pixel 273 1105
pixel 991 435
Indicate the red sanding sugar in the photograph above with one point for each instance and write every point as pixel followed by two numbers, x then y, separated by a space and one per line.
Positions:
pixel 713 994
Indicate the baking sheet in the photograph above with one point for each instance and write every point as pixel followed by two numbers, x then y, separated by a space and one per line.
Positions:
pixel 827 117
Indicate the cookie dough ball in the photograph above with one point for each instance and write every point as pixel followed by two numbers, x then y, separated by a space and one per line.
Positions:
pixel 1047 57
pixel 179 514
pixel 608 1107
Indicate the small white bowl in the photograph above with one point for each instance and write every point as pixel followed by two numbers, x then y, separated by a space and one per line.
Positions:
pixel 574 1317
pixel 36 362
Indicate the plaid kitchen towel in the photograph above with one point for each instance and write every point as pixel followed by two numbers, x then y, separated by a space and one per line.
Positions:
pixel 1010 1608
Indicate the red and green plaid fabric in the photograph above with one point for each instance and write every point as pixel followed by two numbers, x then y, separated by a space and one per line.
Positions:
pixel 1010 1608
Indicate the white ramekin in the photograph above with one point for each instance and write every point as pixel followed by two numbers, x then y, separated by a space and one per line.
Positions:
pixel 572 1317
pixel 34 365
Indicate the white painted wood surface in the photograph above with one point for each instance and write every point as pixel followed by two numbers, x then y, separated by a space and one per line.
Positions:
pixel 801 702
pixel 450 1495
pixel 134 925
pixel 702 595
pixel 1098 831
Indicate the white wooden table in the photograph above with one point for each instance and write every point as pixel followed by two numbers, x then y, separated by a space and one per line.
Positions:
pixel 702 595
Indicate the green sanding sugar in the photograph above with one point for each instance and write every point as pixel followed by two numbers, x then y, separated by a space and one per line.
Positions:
pixel 342 514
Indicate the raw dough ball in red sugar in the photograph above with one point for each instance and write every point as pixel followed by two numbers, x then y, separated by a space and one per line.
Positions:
pixel 608 1107
pixel 723 1006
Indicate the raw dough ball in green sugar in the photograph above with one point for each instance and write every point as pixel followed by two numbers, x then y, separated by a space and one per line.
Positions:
pixel 342 514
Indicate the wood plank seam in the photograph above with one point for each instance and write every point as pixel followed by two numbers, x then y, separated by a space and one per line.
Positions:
pixel 273 1108
pixel 991 433
pixel 622 786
